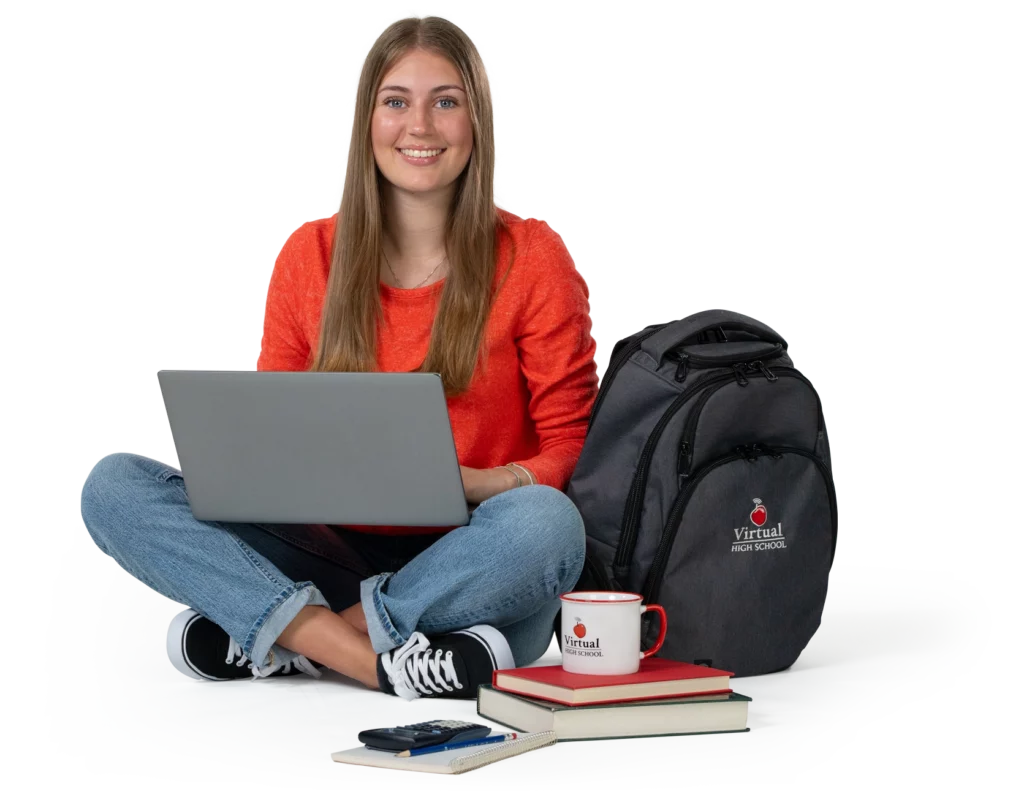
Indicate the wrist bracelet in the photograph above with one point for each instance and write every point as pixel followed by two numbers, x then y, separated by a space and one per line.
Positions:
pixel 519 482
pixel 528 474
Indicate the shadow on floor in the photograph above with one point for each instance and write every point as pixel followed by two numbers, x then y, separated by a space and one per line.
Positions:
pixel 857 636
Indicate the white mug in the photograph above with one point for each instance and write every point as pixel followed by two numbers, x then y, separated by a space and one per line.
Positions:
pixel 601 632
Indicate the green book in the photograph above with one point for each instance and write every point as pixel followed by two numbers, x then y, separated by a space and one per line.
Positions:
pixel 675 716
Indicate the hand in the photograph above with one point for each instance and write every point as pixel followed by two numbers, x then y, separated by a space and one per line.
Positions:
pixel 481 484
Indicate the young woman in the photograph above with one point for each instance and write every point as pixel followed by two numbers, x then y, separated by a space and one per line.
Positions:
pixel 418 271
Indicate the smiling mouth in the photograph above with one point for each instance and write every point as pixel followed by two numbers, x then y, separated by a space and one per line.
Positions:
pixel 421 153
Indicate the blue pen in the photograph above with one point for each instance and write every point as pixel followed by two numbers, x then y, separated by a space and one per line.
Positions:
pixel 437 748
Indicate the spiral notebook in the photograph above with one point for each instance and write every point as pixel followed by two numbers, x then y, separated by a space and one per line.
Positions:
pixel 448 762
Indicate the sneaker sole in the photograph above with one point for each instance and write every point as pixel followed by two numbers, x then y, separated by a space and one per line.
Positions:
pixel 496 644
pixel 176 646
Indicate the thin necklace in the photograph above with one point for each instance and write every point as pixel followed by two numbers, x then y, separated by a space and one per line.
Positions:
pixel 395 276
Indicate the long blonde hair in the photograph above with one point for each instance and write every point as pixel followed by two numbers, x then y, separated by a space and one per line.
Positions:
pixel 352 305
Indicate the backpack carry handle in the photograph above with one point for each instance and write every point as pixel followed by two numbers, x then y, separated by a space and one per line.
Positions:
pixel 715 323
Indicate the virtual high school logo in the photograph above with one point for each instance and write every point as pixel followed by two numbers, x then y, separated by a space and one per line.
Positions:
pixel 577 644
pixel 747 539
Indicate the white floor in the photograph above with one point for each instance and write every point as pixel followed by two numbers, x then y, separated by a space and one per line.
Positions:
pixel 890 638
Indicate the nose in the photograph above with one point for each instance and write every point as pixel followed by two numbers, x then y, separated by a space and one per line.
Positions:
pixel 421 121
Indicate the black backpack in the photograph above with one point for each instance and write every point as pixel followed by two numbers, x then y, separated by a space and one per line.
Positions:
pixel 705 485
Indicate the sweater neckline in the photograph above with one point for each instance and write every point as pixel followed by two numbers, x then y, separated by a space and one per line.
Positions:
pixel 411 293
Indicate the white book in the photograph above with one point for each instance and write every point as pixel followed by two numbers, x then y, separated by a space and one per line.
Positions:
pixel 447 762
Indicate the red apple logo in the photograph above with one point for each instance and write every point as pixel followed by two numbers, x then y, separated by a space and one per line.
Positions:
pixel 579 629
pixel 760 514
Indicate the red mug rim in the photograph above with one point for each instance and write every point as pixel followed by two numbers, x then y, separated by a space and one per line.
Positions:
pixel 635 596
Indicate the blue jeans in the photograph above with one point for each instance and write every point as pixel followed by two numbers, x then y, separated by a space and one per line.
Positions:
pixel 521 549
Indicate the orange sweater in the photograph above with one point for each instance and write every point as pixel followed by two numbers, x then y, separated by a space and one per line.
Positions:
pixel 531 404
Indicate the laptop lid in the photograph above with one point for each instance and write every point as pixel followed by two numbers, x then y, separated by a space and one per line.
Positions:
pixel 302 447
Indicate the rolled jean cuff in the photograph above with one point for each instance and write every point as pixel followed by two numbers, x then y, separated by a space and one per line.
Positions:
pixel 260 645
pixel 383 634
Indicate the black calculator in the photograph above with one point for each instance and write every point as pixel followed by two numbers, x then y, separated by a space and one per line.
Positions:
pixel 423 734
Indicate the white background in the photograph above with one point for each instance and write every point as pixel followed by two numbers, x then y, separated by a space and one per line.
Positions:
pixel 890 637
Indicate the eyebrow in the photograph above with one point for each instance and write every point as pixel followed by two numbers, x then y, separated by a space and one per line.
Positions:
pixel 434 91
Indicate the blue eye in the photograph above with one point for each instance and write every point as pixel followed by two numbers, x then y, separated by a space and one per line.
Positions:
pixel 450 100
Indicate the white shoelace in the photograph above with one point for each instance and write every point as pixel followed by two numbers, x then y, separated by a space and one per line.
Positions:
pixel 417 670
pixel 301 663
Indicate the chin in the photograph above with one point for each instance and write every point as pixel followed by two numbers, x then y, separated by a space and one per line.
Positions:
pixel 422 188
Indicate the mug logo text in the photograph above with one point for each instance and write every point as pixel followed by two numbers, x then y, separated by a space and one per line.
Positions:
pixel 576 643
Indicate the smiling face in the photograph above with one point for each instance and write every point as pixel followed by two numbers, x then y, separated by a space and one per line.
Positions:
pixel 421 133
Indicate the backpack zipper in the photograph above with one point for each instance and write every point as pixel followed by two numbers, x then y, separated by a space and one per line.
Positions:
pixel 634 499
pixel 685 459
pixel 686 361
pixel 653 582
pixel 613 368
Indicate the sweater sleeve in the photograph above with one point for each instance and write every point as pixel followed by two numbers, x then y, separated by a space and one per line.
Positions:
pixel 285 346
pixel 556 355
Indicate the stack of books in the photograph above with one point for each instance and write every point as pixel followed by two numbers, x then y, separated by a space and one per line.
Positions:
pixel 665 698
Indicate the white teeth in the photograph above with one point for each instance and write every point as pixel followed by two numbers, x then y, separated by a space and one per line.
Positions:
pixel 421 153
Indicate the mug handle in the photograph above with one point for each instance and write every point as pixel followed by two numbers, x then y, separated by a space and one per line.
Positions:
pixel 661 635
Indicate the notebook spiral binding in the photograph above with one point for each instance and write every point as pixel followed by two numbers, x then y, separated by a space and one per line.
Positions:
pixel 496 752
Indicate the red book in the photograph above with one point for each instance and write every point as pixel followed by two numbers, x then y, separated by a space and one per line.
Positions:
pixel 656 678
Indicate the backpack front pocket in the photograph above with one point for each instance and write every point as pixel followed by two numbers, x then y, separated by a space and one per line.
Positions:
pixel 742 566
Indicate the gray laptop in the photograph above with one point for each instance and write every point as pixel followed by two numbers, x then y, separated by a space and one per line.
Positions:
pixel 301 447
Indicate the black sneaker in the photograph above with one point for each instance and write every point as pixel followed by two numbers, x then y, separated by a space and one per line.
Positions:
pixel 201 649
pixel 452 665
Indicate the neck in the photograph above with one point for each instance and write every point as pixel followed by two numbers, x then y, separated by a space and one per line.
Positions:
pixel 414 228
